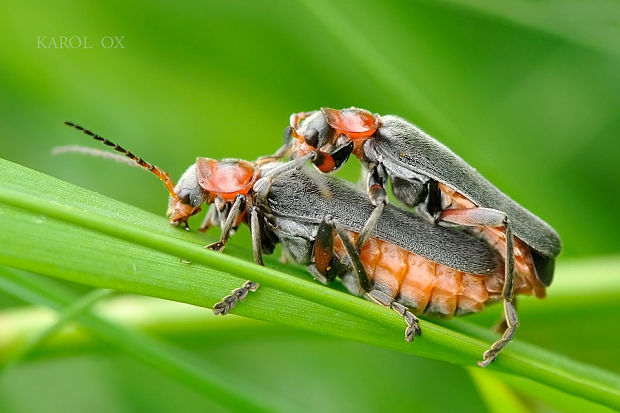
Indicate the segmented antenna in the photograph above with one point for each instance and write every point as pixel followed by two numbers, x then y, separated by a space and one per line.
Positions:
pixel 165 178
pixel 95 152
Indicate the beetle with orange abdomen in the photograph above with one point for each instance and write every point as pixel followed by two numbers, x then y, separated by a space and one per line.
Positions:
pixel 405 262
pixel 427 175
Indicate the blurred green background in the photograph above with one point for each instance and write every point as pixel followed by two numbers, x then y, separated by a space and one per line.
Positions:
pixel 527 92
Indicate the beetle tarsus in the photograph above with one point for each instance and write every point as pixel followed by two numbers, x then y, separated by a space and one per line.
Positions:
pixel 230 301
pixel 413 323
pixel 512 321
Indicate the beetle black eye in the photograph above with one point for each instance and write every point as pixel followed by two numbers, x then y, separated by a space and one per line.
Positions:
pixel 184 195
pixel 312 137
pixel 288 132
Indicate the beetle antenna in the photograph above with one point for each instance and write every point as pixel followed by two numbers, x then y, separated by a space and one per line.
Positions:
pixel 164 176
pixel 98 153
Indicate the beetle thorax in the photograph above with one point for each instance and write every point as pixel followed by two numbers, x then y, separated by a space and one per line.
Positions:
pixel 227 178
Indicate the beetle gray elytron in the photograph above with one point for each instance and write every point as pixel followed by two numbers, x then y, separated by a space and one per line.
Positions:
pixel 405 263
pixel 426 174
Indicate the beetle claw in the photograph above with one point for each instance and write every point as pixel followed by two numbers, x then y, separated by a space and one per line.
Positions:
pixel 216 246
pixel 409 334
pixel 488 359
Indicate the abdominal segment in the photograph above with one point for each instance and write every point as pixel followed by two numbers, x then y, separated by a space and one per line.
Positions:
pixel 424 286
pixel 496 236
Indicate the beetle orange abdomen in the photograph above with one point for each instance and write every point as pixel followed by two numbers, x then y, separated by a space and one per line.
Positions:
pixel 496 236
pixel 427 287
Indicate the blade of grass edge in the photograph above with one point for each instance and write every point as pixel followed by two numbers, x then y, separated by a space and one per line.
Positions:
pixel 215 384
pixel 498 397
pixel 68 315
pixel 175 320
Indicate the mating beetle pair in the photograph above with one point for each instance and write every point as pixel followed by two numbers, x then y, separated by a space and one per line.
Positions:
pixel 395 258
pixel 426 174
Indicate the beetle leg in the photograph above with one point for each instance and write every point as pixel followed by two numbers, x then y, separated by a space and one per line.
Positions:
pixel 222 209
pixel 501 326
pixel 256 238
pixel 210 219
pixel 323 252
pixel 413 327
pixel 430 208
pixel 341 154
pixel 323 161
pixel 410 191
pixel 364 283
pixel 369 226
pixel 512 321
pixel 230 301
pixel 433 203
pixel 492 218
pixel 377 195
pixel 229 223
pixel 294 164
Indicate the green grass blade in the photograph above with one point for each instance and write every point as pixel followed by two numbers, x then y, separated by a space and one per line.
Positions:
pixel 498 397
pixel 588 24
pixel 137 252
pixel 218 385
pixel 194 325
pixel 368 57
pixel 562 402
pixel 68 315
pixel 152 316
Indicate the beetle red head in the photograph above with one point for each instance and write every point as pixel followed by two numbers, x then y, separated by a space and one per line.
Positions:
pixel 179 211
pixel 227 178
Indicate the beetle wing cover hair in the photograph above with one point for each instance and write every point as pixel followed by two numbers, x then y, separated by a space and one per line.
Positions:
pixel 404 148
pixel 308 196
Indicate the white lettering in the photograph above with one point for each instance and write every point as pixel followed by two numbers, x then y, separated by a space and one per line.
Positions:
pixel 78 42
pixel 107 42
pixel 119 42
pixel 40 44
